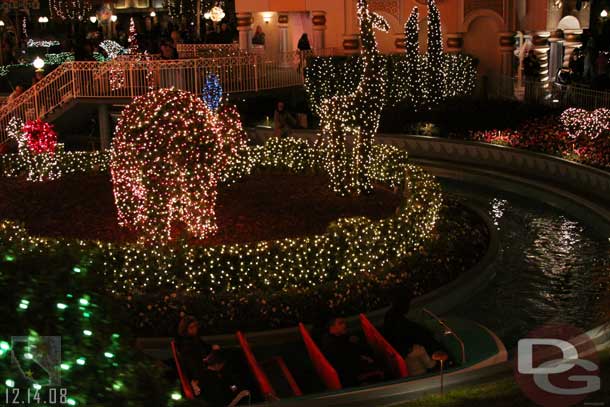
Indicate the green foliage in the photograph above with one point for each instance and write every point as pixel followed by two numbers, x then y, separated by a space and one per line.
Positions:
pixel 52 292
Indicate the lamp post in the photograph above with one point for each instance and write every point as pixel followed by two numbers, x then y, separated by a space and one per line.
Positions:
pixel 38 64
pixel 113 20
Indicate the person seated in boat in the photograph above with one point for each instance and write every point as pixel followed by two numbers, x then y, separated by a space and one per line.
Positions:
pixel 351 358
pixel 217 385
pixel 413 341
pixel 193 350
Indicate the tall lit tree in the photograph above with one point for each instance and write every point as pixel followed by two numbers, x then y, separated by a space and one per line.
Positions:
pixel 435 72
pixel 413 83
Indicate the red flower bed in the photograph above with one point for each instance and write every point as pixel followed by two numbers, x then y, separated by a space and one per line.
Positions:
pixel 548 135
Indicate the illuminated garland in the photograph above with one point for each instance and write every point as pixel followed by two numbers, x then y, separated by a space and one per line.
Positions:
pixel 68 162
pixel 24 28
pixel 42 43
pixel 356 116
pixel 350 247
pixel 112 48
pixel 167 159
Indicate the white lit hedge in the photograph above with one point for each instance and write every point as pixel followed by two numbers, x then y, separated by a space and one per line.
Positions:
pixel 350 246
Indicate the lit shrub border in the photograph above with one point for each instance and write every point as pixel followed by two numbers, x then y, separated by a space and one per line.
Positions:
pixel 350 247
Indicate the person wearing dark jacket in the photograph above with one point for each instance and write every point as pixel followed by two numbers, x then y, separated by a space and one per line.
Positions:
pixel 193 350
pixel 352 360
pixel 414 342
pixel 217 384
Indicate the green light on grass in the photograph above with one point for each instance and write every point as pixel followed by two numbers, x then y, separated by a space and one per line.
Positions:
pixel 83 301
pixel 61 305
pixel 37 386
pixel 80 361
pixel 176 396
pixel 28 356
pixel 5 346
pixel 86 314
pixel 9 383
pixel 87 332
pixel 9 257
pixel 71 402
pixel 76 269
pixel 118 385
pixel 108 355
pixel 65 366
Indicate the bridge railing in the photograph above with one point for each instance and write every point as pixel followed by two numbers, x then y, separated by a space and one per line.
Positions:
pixel 128 78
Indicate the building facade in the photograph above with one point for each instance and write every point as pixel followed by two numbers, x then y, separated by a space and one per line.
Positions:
pixel 490 30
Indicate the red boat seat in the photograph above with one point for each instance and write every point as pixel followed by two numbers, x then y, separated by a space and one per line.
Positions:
pixel 257 371
pixel 325 370
pixel 383 350
pixel 184 381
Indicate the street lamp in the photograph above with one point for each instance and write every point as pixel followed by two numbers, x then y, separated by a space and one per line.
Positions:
pixel 113 18
pixel 93 19
pixel 153 14
pixel 1 23
pixel 604 14
pixel 43 20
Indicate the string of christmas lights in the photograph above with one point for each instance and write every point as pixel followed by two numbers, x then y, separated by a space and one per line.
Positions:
pixel 68 9
pixel 348 248
pixel 435 74
pixel 167 159
pixel 585 125
pixel 412 76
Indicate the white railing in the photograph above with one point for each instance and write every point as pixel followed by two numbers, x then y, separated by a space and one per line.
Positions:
pixel 126 79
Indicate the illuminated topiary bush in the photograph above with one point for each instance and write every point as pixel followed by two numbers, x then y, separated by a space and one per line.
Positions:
pixel 168 154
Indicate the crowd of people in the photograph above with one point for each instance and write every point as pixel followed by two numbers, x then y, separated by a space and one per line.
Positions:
pixel 219 381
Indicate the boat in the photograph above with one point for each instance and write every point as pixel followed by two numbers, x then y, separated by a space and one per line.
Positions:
pixel 296 372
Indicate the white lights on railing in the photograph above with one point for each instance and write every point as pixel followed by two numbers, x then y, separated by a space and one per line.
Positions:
pixel 604 14
pixel 38 63
pixel 93 19
pixel 153 14
pixel 1 23
pixel 113 18
pixel 43 19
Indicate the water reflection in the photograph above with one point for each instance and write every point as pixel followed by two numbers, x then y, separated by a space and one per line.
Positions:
pixel 548 269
